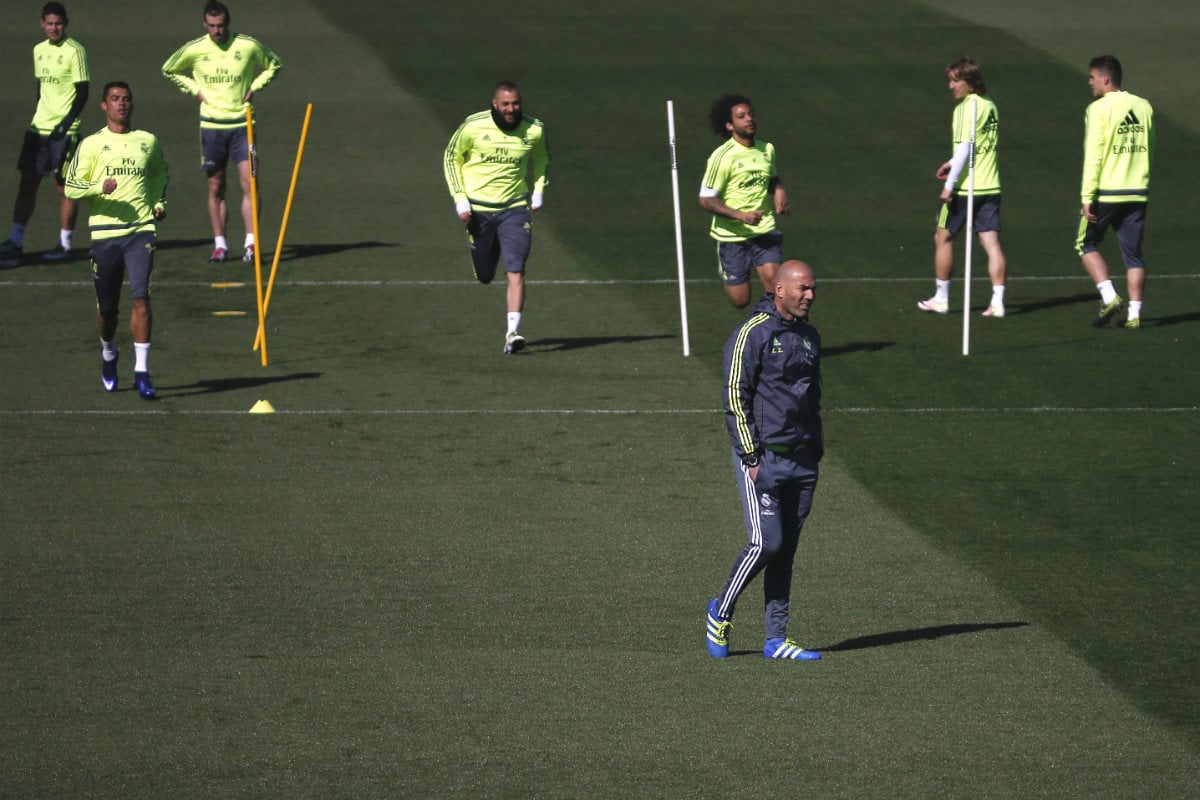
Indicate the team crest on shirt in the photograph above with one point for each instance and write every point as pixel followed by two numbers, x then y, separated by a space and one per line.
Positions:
pixel 145 149
pixel 776 346
pixel 765 502
pixel 807 343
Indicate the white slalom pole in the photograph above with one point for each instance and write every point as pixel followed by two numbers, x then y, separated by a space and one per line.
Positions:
pixel 687 348
pixel 970 237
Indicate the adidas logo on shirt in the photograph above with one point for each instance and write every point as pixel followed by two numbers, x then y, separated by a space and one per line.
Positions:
pixel 1131 124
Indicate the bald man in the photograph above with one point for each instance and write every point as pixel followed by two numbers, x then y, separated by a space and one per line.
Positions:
pixel 773 413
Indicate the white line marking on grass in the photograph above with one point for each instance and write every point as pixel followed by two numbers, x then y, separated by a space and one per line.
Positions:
pixel 416 412
pixel 566 282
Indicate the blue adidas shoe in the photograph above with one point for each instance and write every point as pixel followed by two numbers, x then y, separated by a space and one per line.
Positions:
pixel 141 382
pixel 108 374
pixel 786 648
pixel 718 632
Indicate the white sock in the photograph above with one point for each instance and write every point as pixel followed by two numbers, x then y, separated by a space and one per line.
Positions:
pixel 1107 292
pixel 141 354
pixel 18 234
pixel 514 321
pixel 249 240
pixel 942 295
pixel 108 350
pixel 64 238
pixel 1135 309
pixel 998 295
pixel 219 243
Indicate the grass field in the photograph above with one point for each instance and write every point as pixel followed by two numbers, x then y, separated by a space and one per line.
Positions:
pixel 440 572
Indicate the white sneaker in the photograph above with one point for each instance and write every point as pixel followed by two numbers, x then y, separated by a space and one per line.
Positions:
pixel 248 256
pixel 994 310
pixel 933 305
pixel 513 344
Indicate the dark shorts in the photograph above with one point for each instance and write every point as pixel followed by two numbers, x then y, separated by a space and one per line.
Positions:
pixel 736 259
pixel 113 259
pixel 1128 220
pixel 217 147
pixel 493 234
pixel 45 157
pixel 953 215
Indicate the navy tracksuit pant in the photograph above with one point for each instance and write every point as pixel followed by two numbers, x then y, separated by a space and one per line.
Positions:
pixel 775 506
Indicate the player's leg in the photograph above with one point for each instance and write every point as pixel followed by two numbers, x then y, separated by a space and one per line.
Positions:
pixel 108 272
pixel 1087 243
pixel 214 157
pixel 1129 226
pixel 951 218
pixel 239 153
pixel 733 262
pixel 766 255
pixel 515 235
pixel 987 223
pixel 139 264
pixel 483 236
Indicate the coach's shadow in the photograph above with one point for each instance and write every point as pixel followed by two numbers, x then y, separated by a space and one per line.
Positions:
pixel 575 343
pixel 217 385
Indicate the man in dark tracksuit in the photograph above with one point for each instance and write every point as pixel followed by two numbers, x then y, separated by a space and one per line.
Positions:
pixel 773 412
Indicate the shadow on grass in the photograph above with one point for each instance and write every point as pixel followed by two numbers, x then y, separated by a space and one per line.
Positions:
pixel 1052 302
pixel 917 634
pixel 1178 319
pixel 294 252
pixel 232 384
pixel 555 345
pixel 184 244
pixel 856 347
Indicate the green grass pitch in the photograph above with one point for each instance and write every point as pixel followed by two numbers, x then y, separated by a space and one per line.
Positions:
pixel 440 572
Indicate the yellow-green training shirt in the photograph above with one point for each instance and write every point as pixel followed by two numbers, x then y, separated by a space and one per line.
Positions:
pixel 224 73
pixel 1118 149
pixel 135 160
pixel 741 177
pixel 987 143
pixel 57 67
pixel 487 165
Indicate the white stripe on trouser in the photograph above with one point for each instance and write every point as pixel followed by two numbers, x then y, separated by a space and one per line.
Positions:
pixel 746 567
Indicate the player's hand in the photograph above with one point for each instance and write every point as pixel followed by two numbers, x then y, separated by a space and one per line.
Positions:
pixel 465 216
pixel 1087 212
pixel 160 212
pixel 59 132
pixel 782 204
pixel 750 217
pixel 943 172
pixel 110 186
pixel 946 195
pixel 753 473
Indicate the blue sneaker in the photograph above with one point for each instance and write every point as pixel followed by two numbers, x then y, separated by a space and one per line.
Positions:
pixel 141 382
pixel 786 648
pixel 718 632
pixel 108 374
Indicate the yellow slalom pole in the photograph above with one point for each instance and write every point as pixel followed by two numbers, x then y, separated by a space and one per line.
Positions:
pixel 287 211
pixel 254 216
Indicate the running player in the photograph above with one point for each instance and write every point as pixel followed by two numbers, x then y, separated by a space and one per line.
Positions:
pixel 121 172
pixel 486 165
pixel 743 192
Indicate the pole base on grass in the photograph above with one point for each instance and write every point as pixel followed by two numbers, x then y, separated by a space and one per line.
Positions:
pixel 262 407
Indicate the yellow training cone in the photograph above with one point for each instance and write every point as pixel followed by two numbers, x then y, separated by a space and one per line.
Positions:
pixel 262 407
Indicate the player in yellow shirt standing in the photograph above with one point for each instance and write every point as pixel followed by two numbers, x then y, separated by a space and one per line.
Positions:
pixel 122 174
pixel 218 68
pixel 486 165
pixel 967 86
pixel 1118 148
pixel 61 68
pixel 743 192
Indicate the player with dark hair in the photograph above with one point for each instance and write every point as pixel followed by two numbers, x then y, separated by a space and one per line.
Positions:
pixel 122 174
pixel 967 86
pixel 60 67
pixel 218 68
pixel 743 192
pixel 486 164
pixel 1118 150
pixel 773 415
